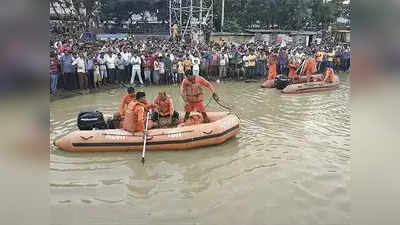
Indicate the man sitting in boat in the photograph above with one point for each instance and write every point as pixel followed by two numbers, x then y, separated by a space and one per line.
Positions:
pixel 164 113
pixel 329 75
pixel 192 94
pixel 126 100
pixel 135 114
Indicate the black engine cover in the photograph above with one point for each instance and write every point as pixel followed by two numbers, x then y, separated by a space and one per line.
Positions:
pixel 281 81
pixel 90 120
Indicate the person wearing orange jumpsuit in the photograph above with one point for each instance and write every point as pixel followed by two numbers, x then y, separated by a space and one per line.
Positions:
pixel 164 108
pixel 126 100
pixel 310 68
pixel 135 114
pixel 293 65
pixel 329 75
pixel 174 31
pixel 192 94
pixel 273 60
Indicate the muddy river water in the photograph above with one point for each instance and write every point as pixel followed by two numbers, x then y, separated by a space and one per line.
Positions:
pixel 289 164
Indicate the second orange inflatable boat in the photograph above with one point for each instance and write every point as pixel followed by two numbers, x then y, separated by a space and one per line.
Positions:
pixel 223 126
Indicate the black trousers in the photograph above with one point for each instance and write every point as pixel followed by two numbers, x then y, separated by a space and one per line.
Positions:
pixel 112 75
pixel 70 81
pixel 91 78
pixel 156 116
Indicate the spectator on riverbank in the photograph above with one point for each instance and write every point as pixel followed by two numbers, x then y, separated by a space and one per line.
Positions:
pixel 165 62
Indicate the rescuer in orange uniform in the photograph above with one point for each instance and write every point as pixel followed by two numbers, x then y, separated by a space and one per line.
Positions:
pixel 135 114
pixel 192 94
pixel 164 108
pixel 126 100
pixel 310 67
pixel 293 65
pixel 329 75
pixel 273 60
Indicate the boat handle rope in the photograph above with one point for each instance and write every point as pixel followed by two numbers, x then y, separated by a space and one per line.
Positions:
pixel 205 132
pixel 162 134
pixel 86 138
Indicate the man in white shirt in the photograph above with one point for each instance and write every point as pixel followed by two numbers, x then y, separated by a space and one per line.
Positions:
pixel 126 56
pixel 136 62
pixel 110 61
pixel 103 68
pixel 224 60
pixel 119 63
pixel 81 69
pixel 196 64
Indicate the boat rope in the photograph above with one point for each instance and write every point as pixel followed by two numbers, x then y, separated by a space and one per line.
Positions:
pixel 162 134
pixel 218 101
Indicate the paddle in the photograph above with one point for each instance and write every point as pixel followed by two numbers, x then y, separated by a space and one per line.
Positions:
pixel 145 136
pixel 301 67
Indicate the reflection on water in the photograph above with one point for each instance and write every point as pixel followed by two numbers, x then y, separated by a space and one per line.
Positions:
pixel 290 164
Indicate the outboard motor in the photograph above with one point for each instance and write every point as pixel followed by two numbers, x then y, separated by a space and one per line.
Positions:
pixel 90 120
pixel 281 81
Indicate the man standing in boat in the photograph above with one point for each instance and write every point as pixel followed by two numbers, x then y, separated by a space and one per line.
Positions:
pixel 192 94
pixel 126 100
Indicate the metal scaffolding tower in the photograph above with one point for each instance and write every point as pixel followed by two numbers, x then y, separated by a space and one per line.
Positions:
pixel 190 15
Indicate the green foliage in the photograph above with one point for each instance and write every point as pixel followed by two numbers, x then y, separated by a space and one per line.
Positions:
pixel 282 14
pixel 232 25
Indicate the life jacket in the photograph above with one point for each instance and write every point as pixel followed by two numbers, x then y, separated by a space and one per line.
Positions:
pixel 131 118
pixel 272 72
pixel 194 93
pixel 310 67
pixel 163 105
pixel 292 70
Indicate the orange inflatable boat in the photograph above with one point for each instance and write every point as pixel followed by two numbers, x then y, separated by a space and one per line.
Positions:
pixel 311 87
pixel 268 84
pixel 223 126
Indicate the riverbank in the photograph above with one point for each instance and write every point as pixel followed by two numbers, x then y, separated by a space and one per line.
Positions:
pixel 62 94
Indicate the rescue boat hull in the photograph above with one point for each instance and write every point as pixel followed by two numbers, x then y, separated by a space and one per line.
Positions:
pixel 311 87
pixel 268 84
pixel 222 127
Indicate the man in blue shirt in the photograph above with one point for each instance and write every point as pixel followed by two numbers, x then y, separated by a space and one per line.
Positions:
pixel 346 59
pixel 90 70
pixel 67 70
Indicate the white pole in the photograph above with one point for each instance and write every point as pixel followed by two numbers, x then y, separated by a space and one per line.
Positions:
pixel 222 15
pixel 190 19
pixel 201 11
pixel 180 13
pixel 170 18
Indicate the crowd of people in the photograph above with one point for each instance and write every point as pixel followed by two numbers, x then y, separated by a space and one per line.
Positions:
pixel 77 65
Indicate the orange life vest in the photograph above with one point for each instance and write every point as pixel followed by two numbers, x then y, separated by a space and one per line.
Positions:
pixel 194 93
pixel 292 70
pixel 272 71
pixel 130 122
pixel 163 105
pixel 310 67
